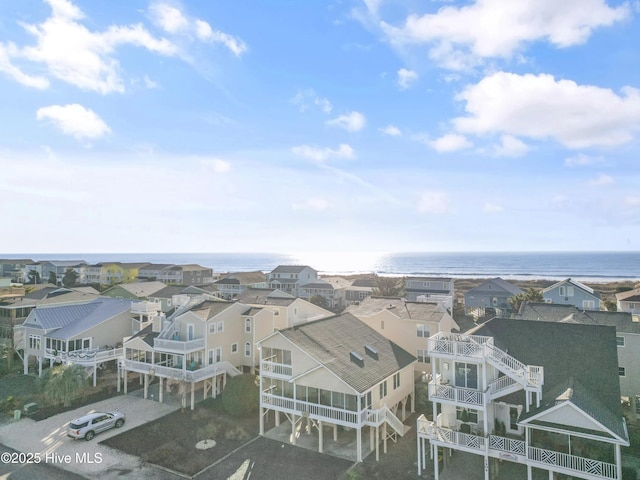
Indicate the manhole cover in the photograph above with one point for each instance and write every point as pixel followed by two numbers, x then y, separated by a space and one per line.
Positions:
pixel 205 444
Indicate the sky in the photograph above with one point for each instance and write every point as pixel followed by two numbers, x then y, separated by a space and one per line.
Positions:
pixel 334 125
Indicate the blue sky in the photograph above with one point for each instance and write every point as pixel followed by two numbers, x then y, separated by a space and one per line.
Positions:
pixel 298 126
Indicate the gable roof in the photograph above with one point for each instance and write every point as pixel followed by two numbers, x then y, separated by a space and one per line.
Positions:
pixel 572 391
pixel 629 295
pixel 330 341
pixel 575 283
pixel 416 311
pixel 266 296
pixel 290 268
pixel 210 308
pixel 243 278
pixel 139 289
pixel 147 335
pixel 551 312
pixel 70 320
pixel 586 353
pixel 497 282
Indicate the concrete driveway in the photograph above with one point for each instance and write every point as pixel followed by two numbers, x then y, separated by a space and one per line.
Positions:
pixel 48 438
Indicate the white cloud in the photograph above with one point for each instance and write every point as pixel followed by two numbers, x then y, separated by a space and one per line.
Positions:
pixel 540 107
pixel 314 204
pixel 510 146
pixel 632 201
pixel 303 99
pixel 322 154
pixel 353 121
pixel 207 34
pixel 492 208
pixel 450 143
pixel 74 120
pixel 149 83
pixel 391 130
pixel 76 55
pixel 434 203
pixel 498 29
pixel 168 17
pixel 217 165
pixel 6 66
pixel 582 160
pixel 602 180
pixel 406 78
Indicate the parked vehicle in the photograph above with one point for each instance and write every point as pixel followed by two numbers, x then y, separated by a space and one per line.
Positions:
pixel 88 426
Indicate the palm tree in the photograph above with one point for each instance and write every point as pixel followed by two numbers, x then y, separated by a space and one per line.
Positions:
pixel 388 287
pixel 63 383
pixel 530 295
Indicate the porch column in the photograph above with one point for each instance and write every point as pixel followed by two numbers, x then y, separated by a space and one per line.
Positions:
pixel 529 472
pixel 25 364
pixel 95 373
pixel 277 417
pixel 161 389
pixel 140 377
pixel 359 444
pixel 119 375
pixel 550 475
pixel 486 467
pixel 293 429
pixel 124 376
pixel 372 438
pixel 40 366
pixel 335 432
pixel 436 473
pixel 420 446
pixel 146 386
pixel 618 462
pixel 377 443
pixel 261 421
pixel 384 436
pixel 320 437
pixel 193 391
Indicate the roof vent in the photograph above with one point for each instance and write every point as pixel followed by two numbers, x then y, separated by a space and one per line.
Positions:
pixel 356 358
pixel 372 352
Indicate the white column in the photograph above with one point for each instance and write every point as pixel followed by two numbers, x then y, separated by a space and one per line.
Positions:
pixel 320 437
pixel 146 386
pixel 359 444
pixel 486 467
pixel 125 377
pixel 420 446
pixel 261 421
pixel 293 429
pixel 436 473
pixel 193 391
pixel 95 373
pixel 377 443
pixel 529 473
pixel 618 463
pixel 119 375
pixel 161 389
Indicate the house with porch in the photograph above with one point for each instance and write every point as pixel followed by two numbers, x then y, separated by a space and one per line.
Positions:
pixel 287 277
pixel 408 324
pixel 572 292
pixel 627 340
pixel 234 283
pixel 335 376
pixel 629 301
pixel 431 289
pixel 490 298
pixel 87 334
pixel 544 395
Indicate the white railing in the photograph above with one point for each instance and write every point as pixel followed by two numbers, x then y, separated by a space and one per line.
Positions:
pixel 571 462
pixel 179 373
pixel 276 369
pixel 456 394
pixel 85 357
pixel 528 376
pixel 145 307
pixel 448 436
pixel 178 345
pixel 389 417
pixel 321 412
pixel 509 445
pixel 501 383
pixel 469 346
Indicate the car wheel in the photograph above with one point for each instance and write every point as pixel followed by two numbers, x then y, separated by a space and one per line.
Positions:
pixel 89 435
pixel 119 423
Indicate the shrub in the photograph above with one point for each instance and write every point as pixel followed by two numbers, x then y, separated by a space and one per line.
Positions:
pixel 241 395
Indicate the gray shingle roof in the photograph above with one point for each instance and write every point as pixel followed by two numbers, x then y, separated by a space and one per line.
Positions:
pixel 289 268
pixel 266 296
pixel 70 320
pixel 586 353
pixel 330 341
pixel 146 335
pixel 416 311
pixel 498 282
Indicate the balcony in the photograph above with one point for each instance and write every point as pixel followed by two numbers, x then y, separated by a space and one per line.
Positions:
pixel 570 464
pixel 276 370
pixel 451 345
pixel 86 357
pixel 451 438
pixel 456 395
pixel 178 346
pixel 179 373
pixel 340 416
pixel 145 308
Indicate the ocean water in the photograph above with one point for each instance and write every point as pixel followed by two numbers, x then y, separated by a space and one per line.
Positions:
pixel 586 266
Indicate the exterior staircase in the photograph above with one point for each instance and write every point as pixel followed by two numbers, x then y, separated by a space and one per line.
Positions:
pixel 528 376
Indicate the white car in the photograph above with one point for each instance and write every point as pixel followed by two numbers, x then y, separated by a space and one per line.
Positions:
pixel 86 427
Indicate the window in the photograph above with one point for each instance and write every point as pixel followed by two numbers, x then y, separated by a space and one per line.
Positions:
pixel 366 401
pixel 212 327
pixel 620 341
pixel 471 416
pixel 423 331
pixel 34 342
pixel 247 349
pixel 513 418
pixel 632 306
pixel 561 291
pixel 466 375
pixel 220 326
pixel 588 304
pixel 396 380
pixel 622 372
pixel 423 356
pixel 234 348
pixel 86 343
pixel 383 389
pixel 247 325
